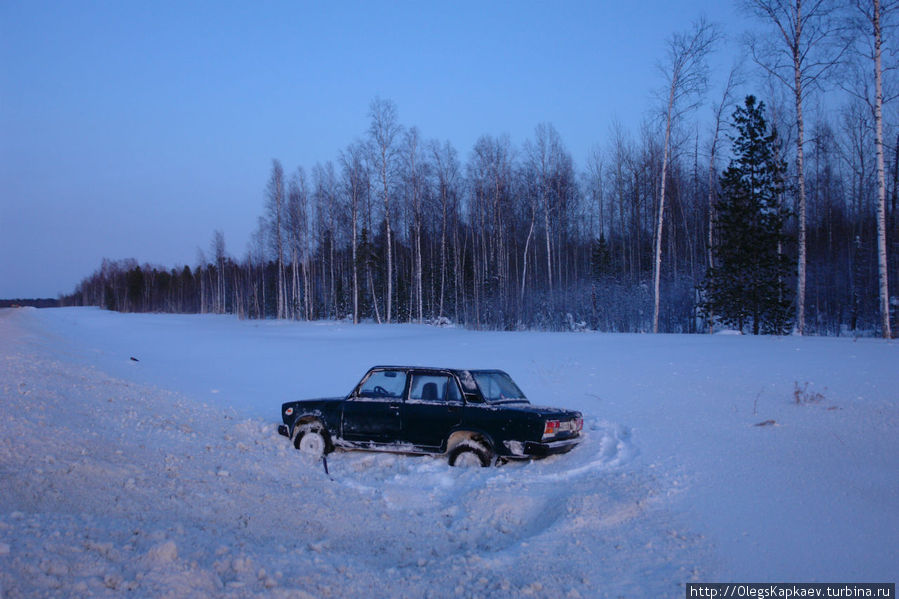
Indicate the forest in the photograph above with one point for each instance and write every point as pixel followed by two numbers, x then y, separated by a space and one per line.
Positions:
pixel 401 228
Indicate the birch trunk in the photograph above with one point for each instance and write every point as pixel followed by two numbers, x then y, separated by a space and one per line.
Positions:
pixel 657 262
pixel 881 177
pixel 800 174
pixel 354 216
pixel 688 79
pixel 524 267
pixel 812 45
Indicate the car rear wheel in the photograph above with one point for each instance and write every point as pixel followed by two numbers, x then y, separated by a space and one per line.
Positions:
pixel 311 441
pixel 469 454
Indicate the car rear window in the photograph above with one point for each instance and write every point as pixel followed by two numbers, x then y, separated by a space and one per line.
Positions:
pixel 497 386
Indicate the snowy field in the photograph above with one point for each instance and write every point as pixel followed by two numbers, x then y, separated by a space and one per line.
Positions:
pixel 165 476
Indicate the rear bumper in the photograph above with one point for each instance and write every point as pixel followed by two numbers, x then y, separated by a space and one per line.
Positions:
pixel 283 430
pixel 544 449
pixel 534 449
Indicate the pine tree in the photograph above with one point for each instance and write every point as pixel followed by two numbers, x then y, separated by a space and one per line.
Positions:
pixel 747 282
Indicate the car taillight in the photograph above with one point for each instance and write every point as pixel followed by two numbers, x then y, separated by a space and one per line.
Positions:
pixel 551 428
pixel 554 427
pixel 288 411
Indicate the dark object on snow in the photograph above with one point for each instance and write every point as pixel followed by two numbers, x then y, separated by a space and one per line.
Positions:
pixel 472 416
pixel 766 423
pixel 133 359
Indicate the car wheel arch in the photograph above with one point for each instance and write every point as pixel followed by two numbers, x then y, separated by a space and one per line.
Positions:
pixel 460 436
pixel 314 423
pixel 468 449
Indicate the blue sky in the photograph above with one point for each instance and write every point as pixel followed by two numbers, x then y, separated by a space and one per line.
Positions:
pixel 135 129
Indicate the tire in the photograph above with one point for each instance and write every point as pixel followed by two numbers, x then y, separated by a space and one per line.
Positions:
pixel 470 453
pixel 311 441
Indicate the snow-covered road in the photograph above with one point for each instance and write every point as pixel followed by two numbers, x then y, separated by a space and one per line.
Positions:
pixel 165 477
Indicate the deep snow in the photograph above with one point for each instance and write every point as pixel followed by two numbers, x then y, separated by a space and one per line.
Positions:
pixel 165 476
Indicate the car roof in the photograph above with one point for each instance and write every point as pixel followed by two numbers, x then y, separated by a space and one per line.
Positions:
pixel 463 374
pixel 458 371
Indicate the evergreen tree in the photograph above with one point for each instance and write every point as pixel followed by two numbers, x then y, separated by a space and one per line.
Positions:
pixel 600 258
pixel 134 280
pixel 747 282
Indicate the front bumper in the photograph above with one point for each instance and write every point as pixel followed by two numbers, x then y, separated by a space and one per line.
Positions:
pixel 283 430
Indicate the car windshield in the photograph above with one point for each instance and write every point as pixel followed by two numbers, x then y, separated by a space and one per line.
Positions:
pixel 384 383
pixel 497 386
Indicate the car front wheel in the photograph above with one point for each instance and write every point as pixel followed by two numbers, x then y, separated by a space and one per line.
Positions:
pixel 311 441
pixel 468 454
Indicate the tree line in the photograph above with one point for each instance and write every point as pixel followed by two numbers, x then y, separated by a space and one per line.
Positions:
pixel 398 228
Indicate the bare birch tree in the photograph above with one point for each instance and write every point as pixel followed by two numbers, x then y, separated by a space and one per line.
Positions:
pixel 686 78
pixel 726 100
pixel 544 158
pixel 325 198
pixel 412 167
pixel 446 168
pixel 256 258
pixel 275 204
pixel 218 251
pixel 805 46
pixel 297 227
pixel 871 26
pixel 355 182
pixel 383 131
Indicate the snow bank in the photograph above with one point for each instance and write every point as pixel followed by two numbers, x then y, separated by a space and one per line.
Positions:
pixel 165 477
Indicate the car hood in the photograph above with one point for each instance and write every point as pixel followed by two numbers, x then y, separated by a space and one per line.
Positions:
pixel 316 401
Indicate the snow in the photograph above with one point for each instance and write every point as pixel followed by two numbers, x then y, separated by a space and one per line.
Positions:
pixel 166 477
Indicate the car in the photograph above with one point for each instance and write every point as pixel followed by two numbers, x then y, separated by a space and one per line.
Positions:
pixel 473 417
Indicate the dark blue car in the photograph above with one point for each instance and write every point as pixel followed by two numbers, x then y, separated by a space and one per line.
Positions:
pixel 472 416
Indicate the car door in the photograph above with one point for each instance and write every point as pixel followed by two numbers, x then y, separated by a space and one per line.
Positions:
pixel 432 409
pixel 373 413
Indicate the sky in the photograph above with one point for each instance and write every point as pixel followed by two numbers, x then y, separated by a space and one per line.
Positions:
pixel 136 129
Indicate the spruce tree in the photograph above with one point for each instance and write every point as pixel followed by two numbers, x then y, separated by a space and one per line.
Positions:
pixel 600 258
pixel 748 280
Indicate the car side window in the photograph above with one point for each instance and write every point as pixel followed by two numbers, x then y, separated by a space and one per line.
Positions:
pixel 384 383
pixel 452 390
pixel 427 387
pixel 431 387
